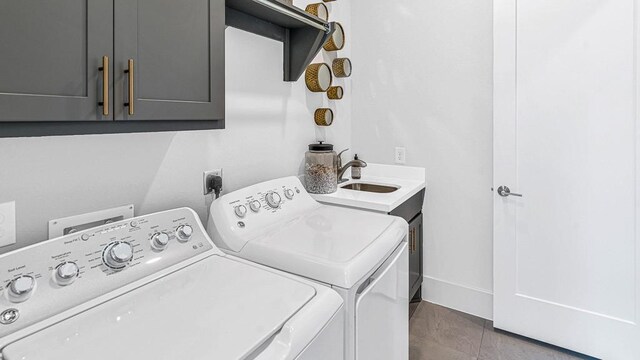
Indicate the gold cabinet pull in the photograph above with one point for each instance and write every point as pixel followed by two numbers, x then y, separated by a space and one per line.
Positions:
pixel 105 85
pixel 131 77
pixel 413 240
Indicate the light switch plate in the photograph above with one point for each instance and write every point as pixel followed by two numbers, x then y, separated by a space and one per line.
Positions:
pixel 7 223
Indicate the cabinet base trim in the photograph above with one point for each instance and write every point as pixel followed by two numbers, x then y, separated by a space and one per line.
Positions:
pixel 59 128
pixel 459 297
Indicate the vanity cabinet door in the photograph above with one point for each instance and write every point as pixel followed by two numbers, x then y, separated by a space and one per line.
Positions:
pixel 176 49
pixel 415 255
pixel 51 52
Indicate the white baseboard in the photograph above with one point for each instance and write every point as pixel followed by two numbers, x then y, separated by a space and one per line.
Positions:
pixel 472 301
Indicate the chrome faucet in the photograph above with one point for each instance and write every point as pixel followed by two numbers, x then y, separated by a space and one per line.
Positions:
pixel 343 169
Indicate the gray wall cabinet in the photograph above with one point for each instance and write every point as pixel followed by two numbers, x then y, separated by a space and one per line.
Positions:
pixel 50 52
pixel 51 81
pixel 177 48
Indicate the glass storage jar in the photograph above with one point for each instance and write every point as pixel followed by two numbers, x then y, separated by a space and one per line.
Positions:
pixel 321 169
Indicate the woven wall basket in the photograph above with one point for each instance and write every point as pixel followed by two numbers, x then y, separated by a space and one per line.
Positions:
pixel 335 93
pixel 336 41
pixel 341 67
pixel 318 77
pixel 318 9
pixel 323 117
pixel 328 0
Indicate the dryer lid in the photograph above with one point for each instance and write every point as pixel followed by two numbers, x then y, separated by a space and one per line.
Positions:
pixel 217 308
pixel 334 245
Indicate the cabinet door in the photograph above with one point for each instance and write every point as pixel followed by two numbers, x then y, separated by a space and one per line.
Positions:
pixel 51 52
pixel 177 51
pixel 415 255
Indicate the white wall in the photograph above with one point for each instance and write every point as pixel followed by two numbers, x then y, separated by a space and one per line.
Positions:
pixel 423 80
pixel 269 125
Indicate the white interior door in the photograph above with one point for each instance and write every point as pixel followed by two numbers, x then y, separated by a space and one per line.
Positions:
pixel 567 254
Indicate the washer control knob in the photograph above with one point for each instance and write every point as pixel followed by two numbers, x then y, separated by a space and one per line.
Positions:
pixel 159 241
pixel 241 211
pixel 289 194
pixel 273 199
pixel 21 288
pixel 66 273
pixel 255 205
pixel 117 254
pixel 184 232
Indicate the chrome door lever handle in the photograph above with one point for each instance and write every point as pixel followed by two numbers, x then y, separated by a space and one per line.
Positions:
pixel 504 191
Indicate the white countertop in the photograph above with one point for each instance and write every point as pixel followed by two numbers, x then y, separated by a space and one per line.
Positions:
pixel 409 180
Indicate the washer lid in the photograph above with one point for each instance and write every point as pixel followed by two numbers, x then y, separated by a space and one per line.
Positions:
pixel 334 245
pixel 217 308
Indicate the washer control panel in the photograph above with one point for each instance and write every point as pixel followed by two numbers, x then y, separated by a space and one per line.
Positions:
pixel 50 277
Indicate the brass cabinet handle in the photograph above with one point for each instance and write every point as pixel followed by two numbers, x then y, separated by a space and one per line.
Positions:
pixel 411 242
pixel 105 85
pixel 413 238
pixel 130 71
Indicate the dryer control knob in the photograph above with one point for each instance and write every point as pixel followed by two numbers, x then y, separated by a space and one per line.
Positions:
pixel 184 232
pixel 21 288
pixel 255 205
pixel 117 254
pixel 66 273
pixel 273 199
pixel 159 240
pixel 241 211
pixel 289 194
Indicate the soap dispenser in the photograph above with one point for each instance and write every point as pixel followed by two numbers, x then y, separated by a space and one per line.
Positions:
pixel 356 171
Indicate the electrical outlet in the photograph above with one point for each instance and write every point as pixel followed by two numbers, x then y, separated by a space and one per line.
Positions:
pixel 205 179
pixel 401 155
pixel 7 223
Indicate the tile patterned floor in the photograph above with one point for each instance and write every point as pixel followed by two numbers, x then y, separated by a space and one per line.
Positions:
pixel 439 333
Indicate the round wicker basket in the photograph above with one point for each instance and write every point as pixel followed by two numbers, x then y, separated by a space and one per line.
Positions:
pixel 335 93
pixel 341 67
pixel 318 9
pixel 337 40
pixel 318 77
pixel 323 117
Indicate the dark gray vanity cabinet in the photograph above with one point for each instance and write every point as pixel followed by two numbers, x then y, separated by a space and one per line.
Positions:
pixel 415 257
pixel 411 211
pixel 110 66
pixel 50 55
pixel 176 51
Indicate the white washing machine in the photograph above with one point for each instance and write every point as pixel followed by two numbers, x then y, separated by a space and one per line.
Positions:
pixel 156 288
pixel 361 255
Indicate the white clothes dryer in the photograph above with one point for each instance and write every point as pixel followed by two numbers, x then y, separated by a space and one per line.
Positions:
pixel 361 255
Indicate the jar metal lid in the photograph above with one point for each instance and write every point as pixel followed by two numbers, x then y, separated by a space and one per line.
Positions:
pixel 320 146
